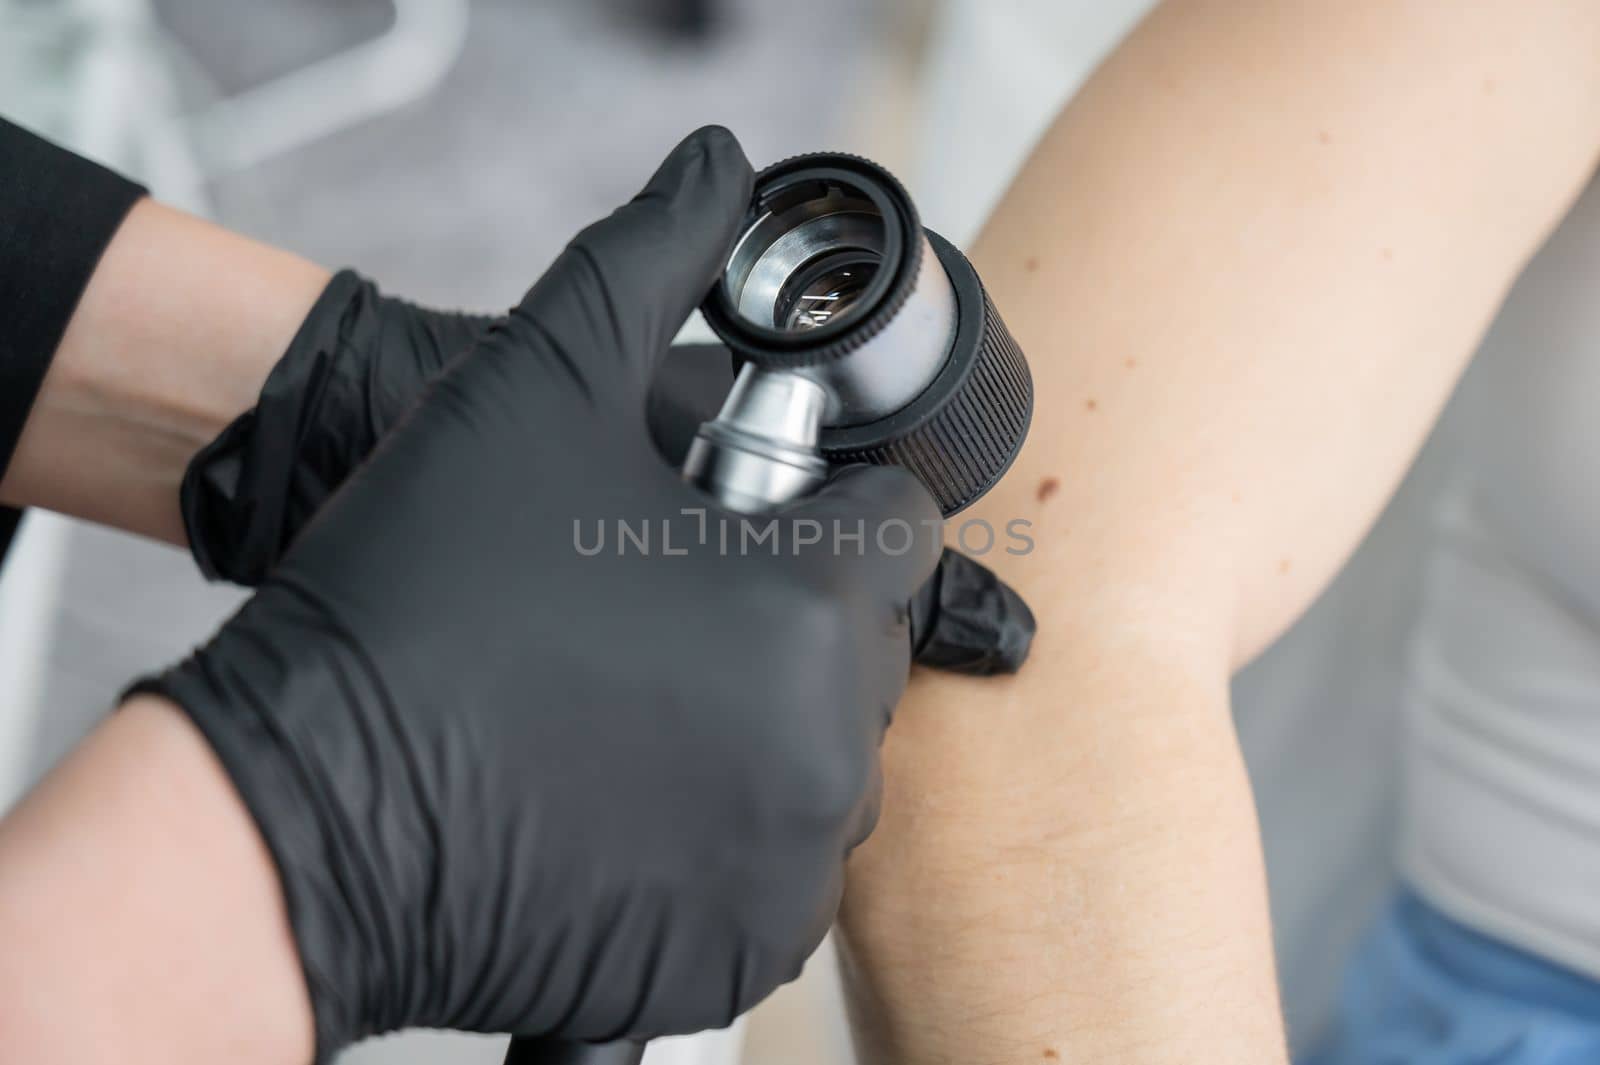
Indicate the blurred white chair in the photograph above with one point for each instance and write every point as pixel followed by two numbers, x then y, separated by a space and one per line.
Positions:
pixel 397 68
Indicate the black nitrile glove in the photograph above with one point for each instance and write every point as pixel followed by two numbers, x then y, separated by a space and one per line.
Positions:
pixel 357 363
pixel 513 785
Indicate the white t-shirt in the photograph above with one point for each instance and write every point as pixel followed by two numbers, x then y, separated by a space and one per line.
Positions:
pixel 1501 818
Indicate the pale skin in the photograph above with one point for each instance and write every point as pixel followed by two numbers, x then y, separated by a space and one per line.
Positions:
pixel 170 342
pixel 140 912
pixel 1248 263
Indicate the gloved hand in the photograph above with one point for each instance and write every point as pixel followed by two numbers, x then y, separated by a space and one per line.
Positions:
pixel 510 785
pixel 359 362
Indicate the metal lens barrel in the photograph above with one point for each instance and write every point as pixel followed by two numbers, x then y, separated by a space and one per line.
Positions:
pixel 835 282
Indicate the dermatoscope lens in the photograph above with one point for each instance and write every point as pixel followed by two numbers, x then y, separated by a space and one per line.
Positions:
pixel 828 290
pixel 810 258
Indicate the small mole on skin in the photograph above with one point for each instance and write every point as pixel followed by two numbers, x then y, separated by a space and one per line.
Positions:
pixel 1051 1054
pixel 1091 405
pixel 1048 487
pixel 1388 255
pixel 1130 363
pixel 1237 498
pixel 1283 567
pixel 1323 138
pixel 1032 265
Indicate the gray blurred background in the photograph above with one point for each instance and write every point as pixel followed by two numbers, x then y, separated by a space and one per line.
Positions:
pixel 450 147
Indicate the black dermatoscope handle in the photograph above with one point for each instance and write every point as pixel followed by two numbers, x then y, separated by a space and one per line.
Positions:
pixel 542 1051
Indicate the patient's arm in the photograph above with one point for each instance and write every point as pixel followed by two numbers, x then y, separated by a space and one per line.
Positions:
pixel 1247 265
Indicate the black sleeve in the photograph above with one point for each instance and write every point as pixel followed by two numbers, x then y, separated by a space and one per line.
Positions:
pixel 57 214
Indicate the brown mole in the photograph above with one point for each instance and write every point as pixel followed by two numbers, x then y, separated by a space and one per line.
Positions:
pixel 1050 1053
pixel 1031 264
pixel 1048 487
pixel 1092 404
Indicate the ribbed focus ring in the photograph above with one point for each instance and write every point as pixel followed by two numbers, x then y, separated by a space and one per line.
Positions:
pixel 964 447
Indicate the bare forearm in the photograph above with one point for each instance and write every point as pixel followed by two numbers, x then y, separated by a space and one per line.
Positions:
pixel 171 341
pixel 1087 891
pixel 140 912
pixel 1247 265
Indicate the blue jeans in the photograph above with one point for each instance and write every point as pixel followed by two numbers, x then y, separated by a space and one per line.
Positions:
pixel 1424 990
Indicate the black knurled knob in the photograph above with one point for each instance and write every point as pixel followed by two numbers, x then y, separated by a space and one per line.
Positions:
pixel 962 434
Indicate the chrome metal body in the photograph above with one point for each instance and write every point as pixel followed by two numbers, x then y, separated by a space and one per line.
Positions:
pixel 761 450
pixel 890 370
